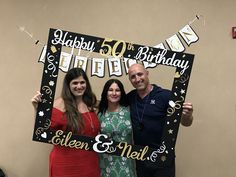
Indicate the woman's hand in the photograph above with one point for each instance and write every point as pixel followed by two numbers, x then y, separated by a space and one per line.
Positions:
pixel 36 99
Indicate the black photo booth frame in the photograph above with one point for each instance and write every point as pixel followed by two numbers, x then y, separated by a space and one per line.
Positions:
pixel 101 143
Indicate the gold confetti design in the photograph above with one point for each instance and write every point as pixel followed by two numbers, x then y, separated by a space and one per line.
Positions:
pixel 53 49
pixel 40 130
pixel 47 90
pixel 177 75
pixel 177 105
pixel 163 158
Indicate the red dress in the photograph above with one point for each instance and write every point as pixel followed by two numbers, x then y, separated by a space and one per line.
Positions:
pixel 71 162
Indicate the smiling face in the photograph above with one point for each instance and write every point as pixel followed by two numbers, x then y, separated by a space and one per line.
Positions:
pixel 113 93
pixel 138 77
pixel 78 86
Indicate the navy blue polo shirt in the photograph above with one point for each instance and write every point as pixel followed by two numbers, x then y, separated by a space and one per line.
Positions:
pixel 148 115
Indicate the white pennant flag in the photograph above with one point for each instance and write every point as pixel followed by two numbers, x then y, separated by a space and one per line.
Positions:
pixel 80 62
pixel 175 44
pixel 128 62
pixel 160 46
pixel 65 60
pixel 114 66
pixel 43 54
pixel 188 35
pixel 98 67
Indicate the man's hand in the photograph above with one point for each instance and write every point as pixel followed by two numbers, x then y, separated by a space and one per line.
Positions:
pixel 187 114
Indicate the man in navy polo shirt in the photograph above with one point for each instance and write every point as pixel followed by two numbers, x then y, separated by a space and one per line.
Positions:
pixel 148 108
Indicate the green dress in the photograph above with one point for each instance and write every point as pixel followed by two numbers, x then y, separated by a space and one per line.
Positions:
pixel 117 125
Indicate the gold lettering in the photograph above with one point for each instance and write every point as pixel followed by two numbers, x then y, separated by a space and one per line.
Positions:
pixel 80 63
pixel 64 140
pixel 68 136
pixel 62 61
pixel 97 67
pixel 81 145
pixel 129 153
pixel 124 148
pixel 130 47
pixel 119 54
pixel 114 66
pixel 144 151
pixel 56 139
pixel 134 154
pixel 72 143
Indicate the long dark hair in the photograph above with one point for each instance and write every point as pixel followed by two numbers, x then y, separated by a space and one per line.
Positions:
pixel 75 121
pixel 103 105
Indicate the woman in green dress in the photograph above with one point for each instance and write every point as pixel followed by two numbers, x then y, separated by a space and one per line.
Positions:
pixel 115 121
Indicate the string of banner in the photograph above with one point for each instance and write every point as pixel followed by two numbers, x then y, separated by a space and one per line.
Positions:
pixel 174 43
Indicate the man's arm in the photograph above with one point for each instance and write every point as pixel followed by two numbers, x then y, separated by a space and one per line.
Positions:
pixel 187 114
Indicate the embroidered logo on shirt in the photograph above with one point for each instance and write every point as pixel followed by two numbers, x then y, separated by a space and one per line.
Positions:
pixel 152 102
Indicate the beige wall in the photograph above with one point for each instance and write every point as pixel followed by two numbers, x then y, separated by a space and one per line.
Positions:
pixel 207 149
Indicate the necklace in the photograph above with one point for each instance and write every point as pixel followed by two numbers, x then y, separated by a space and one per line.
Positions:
pixel 85 111
pixel 90 120
pixel 140 118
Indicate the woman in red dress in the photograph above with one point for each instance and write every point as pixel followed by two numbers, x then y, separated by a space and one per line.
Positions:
pixel 74 111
